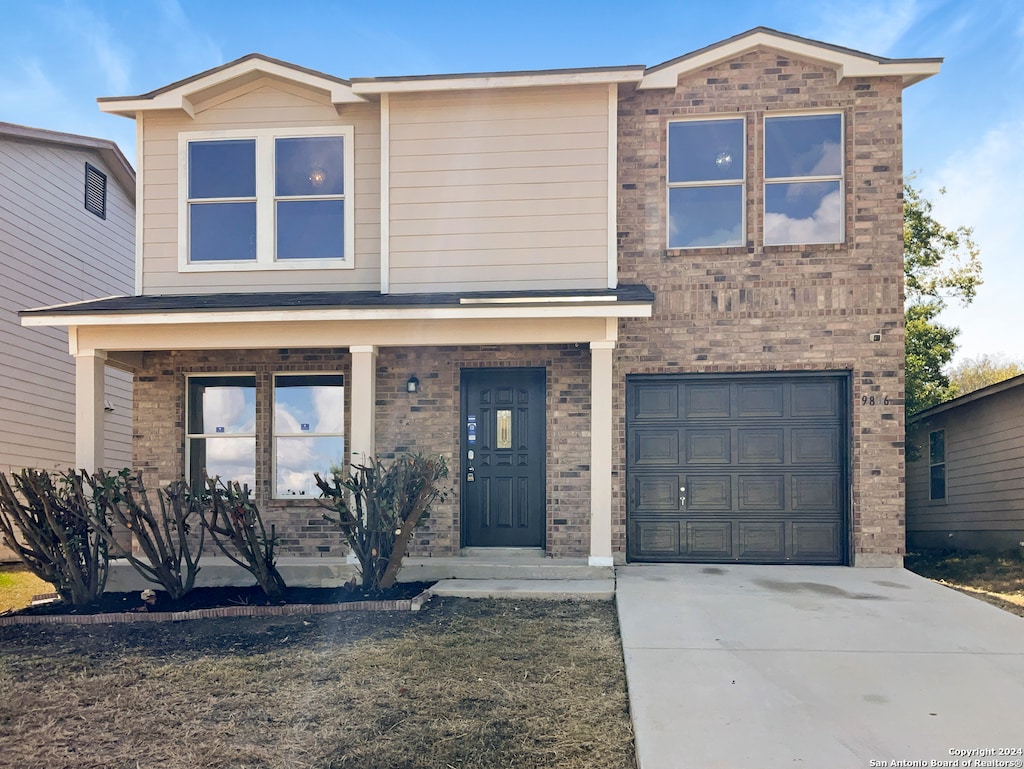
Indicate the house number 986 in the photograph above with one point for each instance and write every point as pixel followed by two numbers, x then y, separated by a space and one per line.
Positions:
pixel 874 400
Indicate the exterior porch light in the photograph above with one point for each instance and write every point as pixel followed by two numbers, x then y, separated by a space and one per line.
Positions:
pixel 413 385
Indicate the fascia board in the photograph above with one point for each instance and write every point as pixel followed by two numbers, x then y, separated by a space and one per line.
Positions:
pixel 475 312
pixel 496 80
pixel 847 65
pixel 180 98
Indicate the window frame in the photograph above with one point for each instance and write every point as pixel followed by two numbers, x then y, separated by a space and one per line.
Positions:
pixel 741 182
pixel 190 436
pixel 274 434
pixel 933 464
pixel 841 177
pixel 266 199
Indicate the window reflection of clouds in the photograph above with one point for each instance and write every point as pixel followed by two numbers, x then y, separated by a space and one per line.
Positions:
pixel 706 216
pixel 233 459
pixel 803 145
pixel 317 401
pixel 233 408
pixel 787 224
pixel 299 458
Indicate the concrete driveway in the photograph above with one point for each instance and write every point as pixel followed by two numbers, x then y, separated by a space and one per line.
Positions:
pixel 757 667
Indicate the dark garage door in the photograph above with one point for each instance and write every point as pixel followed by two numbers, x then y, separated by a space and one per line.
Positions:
pixel 741 468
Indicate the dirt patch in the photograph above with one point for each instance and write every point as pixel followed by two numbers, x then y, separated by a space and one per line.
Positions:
pixel 462 683
pixel 995 578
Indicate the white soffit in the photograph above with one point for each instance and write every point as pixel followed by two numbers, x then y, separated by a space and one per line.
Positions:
pixel 846 62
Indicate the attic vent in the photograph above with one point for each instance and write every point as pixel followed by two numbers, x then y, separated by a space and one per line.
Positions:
pixel 95 191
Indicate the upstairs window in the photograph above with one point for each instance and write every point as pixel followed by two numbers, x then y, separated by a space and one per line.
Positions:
pixel 803 175
pixel 266 200
pixel 937 465
pixel 706 183
pixel 95 191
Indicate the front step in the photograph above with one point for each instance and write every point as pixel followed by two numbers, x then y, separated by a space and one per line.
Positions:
pixel 499 554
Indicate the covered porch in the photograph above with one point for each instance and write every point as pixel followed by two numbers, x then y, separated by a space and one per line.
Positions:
pixel 122 331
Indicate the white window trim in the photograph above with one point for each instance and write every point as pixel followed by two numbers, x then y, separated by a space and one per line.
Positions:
pixel 274 435
pixel 189 436
pixel 841 177
pixel 742 182
pixel 265 199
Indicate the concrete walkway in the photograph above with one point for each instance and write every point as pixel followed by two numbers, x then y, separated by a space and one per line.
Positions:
pixel 758 667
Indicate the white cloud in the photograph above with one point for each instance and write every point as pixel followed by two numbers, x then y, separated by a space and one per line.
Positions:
pixel 821 227
pixel 985 190
pixel 871 26
pixel 187 42
pixel 110 58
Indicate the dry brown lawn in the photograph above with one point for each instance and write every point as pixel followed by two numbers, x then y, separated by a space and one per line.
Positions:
pixel 18 585
pixel 460 684
pixel 995 578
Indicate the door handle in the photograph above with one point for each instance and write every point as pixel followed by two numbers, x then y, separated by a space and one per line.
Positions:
pixel 682 497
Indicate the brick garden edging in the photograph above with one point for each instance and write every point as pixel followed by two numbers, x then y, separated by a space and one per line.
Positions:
pixel 288 610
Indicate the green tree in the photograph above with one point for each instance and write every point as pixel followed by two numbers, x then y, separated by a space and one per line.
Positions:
pixel 939 265
pixel 974 373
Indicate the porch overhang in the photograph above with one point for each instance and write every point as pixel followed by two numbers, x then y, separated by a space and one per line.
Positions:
pixel 255 321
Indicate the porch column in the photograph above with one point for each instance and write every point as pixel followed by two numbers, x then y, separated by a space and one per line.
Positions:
pixel 364 399
pixel 601 453
pixel 89 417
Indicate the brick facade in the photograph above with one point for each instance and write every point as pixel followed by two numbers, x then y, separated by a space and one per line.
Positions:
pixel 754 308
pixel 427 421
pixel 776 308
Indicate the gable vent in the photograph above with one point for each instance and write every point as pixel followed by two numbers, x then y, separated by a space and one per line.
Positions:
pixel 95 191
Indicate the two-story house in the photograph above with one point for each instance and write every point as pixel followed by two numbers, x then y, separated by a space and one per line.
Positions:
pixel 651 313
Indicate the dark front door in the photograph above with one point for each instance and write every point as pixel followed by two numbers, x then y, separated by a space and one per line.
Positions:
pixel 503 453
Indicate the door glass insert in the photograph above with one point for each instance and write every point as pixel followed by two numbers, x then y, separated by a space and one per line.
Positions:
pixel 504 429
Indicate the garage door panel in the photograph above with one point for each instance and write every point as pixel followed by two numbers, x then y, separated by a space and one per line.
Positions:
pixel 815 399
pixel 815 445
pixel 656 493
pixel 762 541
pixel 762 461
pixel 657 402
pixel 658 538
pixel 708 493
pixel 711 401
pixel 815 493
pixel 759 400
pixel 709 539
pixel 653 447
pixel 761 446
pixel 708 446
pixel 816 542
pixel 763 493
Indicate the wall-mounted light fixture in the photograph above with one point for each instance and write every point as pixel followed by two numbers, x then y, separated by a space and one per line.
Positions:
pixel 413 385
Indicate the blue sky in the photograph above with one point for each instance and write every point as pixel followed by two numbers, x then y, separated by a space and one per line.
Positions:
pixel 962 128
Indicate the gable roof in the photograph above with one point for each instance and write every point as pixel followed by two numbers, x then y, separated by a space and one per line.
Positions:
pixel 111 154
pixel 963 400
pixel 183 94
pixel 846 61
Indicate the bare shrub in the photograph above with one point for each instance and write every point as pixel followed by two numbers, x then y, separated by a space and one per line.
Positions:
pixel 379 505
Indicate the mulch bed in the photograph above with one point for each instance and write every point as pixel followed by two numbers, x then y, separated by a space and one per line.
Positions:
pixel 223 602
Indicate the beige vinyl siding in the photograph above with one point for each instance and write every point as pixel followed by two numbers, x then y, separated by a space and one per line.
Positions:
pixel 984 470
pixel 52 250
pixel 499 189
pixel 266 103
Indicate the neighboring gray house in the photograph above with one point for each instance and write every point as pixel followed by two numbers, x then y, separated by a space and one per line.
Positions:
pixel 67 233
pixel 965 487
